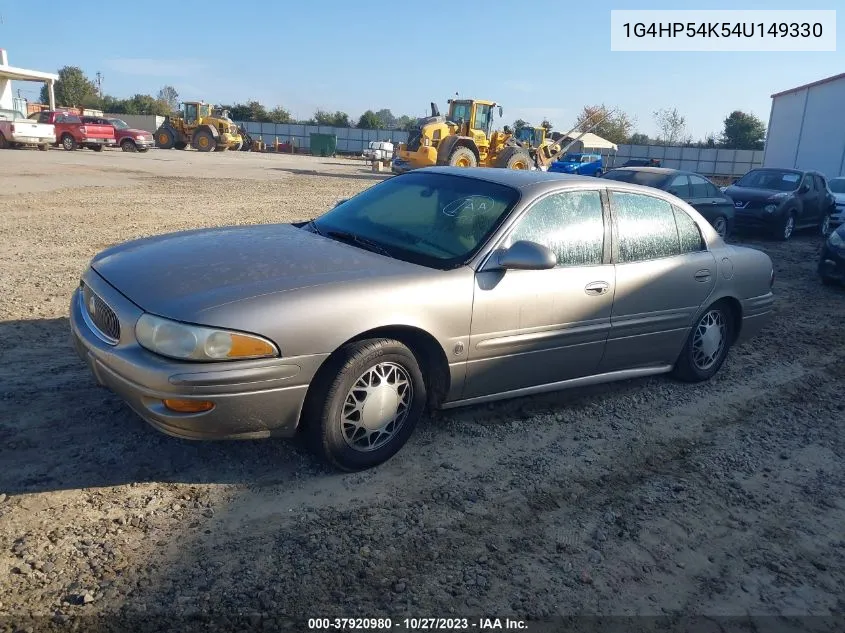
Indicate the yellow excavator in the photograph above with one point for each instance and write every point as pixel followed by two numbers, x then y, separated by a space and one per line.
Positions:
pixel 465 138
pixel 201 126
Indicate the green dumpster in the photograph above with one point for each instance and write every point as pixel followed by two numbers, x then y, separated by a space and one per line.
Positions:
pixel 323 144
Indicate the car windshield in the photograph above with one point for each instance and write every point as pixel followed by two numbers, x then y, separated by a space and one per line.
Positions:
pixel 637 177
pixel 119 124
pixel 774 179
pixel 837 185
pixel 435 220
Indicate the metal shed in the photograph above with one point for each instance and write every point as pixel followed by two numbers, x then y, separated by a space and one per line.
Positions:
pixel 807 128
pixel 10 73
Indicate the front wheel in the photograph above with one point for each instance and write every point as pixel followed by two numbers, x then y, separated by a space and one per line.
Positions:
pixel 707 345
pixel 366 405
pixel 463 157
pixel 128 145
pixel 203 141
pixel 787 228
pixel 824 226
pixel 69 143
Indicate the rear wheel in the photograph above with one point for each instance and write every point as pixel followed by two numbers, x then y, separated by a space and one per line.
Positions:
pixel 514 158
pixel 707 345
pixel 366 405
pixel 97 148
pixel 203 141
pixel 463 157
pixel 4 144
pixel 787 227
pixel 128 145
pixel 720 224
pixel 43 148
pixel 69 143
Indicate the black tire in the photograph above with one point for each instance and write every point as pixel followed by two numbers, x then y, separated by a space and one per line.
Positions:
pixel 43 148
pixel 203 141
pixel 722 226
pixel 324 428
pixel 69 143
pixel 4 144
pixel 824 225
pixel 462 157
pixel 514 158
pixel 689 366
pixel 181 145
pixel 786 228
pixel 128 145
pixel 97 148
pixel 165 138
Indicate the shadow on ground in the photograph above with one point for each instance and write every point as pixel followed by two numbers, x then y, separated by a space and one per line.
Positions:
pixel 361 175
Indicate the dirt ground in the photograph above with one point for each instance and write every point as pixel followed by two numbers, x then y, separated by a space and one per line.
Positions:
pixel 648 497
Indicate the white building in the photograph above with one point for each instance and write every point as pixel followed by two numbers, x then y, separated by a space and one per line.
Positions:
pixel 807 128
pixel 11 73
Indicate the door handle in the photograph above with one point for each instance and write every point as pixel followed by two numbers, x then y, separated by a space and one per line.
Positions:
pixel 702 275
pixel 596 288
pixel 714 202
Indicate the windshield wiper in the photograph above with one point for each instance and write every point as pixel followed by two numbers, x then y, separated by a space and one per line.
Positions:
pixel 363 242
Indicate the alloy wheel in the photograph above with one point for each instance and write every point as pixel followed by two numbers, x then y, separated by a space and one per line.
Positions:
pixel 721 226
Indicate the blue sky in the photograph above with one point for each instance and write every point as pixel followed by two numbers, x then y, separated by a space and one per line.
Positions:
pixel 353 56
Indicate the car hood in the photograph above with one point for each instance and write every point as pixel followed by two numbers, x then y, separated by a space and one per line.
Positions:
pixel 750 194
pixel 133 132
pixel 185 273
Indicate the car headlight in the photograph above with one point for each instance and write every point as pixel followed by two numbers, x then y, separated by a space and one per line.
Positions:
pixel 836 240
pixel 140 137
pixel 193 342
pixel 770 208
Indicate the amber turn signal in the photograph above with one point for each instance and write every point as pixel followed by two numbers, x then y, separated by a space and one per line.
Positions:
pixel 189 406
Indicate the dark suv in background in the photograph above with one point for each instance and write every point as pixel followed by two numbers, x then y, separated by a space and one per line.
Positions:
pixel 780 201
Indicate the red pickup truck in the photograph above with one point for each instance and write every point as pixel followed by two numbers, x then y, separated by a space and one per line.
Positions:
pixel 72 133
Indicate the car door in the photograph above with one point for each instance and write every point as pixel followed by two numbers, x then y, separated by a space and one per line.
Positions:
pixel 710 202
pixel 808 194
pixel 533 327
pixel 826 201
pixel 663 272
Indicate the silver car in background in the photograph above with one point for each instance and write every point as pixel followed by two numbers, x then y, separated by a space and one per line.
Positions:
pixel 837 188
pixel 437 288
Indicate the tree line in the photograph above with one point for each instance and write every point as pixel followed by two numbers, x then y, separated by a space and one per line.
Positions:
pixel 740 130
pixel 74 89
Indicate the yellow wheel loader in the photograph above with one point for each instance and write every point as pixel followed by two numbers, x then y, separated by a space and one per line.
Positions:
pixel 200 126
pixel 465 138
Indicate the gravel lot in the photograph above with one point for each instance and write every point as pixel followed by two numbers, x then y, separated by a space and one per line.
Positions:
pixel 648 497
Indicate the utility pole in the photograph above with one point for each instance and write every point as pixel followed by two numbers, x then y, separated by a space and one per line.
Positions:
pixel 99 84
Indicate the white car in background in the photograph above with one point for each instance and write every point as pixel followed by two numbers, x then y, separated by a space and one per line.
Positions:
pixel 837 188
pixel 17 130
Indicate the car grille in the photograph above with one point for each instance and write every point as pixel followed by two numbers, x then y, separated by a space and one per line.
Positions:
pixel 100 315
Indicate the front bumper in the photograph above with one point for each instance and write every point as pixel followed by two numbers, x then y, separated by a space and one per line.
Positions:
pixel 253 399
pixel 146 143
pixel 757 220
pixel 837 218
pixel 96 141
pixel 832 263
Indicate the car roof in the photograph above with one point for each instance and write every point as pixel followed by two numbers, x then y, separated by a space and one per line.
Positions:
pixel 652 170
pixel 517 178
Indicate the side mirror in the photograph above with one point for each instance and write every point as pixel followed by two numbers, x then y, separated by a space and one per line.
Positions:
pixel 525 255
